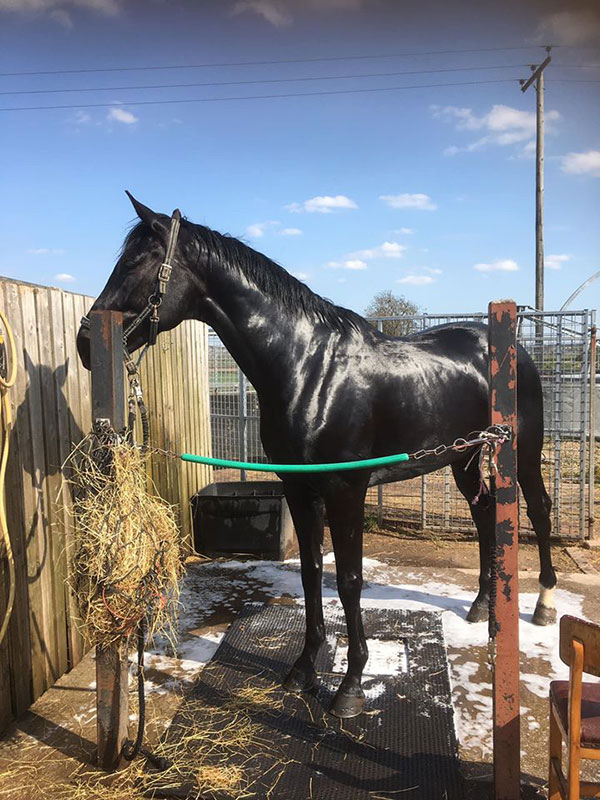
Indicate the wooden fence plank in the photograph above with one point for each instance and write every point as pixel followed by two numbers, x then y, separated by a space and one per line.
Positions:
pixel 32 447
pixel 18 634
pixel 63 530
pixel 77 393
pixel 56 642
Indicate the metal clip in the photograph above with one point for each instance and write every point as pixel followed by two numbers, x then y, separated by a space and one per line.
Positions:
pixel 131 367
pixel 154 321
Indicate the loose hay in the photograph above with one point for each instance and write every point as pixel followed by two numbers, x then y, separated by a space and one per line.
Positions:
pixel 220 749
pixel 126 561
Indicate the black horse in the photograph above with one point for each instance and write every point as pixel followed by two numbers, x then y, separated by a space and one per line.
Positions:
pixel 332 388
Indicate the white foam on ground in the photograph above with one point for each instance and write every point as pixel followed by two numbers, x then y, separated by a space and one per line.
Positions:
pixel 388 587
pixel 385 658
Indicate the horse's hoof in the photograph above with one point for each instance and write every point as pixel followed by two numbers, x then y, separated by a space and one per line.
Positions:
pixel 345 705
pixel 298 681
pixel 544 615
pixel 479 612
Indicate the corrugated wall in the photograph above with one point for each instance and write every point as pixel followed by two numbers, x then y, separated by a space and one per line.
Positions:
pixel 51 411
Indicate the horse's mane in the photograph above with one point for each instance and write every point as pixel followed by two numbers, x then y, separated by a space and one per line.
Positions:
pixel 227 252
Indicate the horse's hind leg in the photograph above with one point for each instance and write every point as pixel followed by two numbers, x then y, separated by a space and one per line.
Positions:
pixel 307 513
pixel 345 512
pixel 483 512
pixel 538 510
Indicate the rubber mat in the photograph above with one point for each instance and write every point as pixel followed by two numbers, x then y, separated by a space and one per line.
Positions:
pixel 402 746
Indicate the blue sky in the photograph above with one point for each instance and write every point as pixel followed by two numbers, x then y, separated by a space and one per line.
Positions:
pixel 425 191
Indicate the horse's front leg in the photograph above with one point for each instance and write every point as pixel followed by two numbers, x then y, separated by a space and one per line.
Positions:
pixel 307 512
pixel 345 513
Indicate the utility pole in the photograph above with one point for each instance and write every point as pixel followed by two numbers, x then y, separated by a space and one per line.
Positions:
pixel 538 76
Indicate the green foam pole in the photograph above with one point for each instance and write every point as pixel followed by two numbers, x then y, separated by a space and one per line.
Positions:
pixel 335 467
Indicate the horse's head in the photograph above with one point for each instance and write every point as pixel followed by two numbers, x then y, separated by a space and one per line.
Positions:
pixel 134 280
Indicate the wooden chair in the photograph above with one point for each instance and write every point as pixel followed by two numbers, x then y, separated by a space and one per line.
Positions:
pixel 575 711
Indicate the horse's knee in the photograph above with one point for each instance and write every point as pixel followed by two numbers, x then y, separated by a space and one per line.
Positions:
pixel 539 514
pixel 315 636
pixel 349 584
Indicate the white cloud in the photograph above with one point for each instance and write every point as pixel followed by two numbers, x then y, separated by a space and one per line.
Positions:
pixel 301 276
pixel 500 265
pixel 269 10
pixel 403 231
pixel 80 118
pixel 528 150
pixel 416 280
pixel 108 7
pixel 349 263
pixel 258 229
pixel 63 18
pixel 45 251
pixel 280 13
pixel 556 261
pixel 384 250
pixel 571 27
pixel 322 204
pixel 433 270
pixel 587 163
pixel 64 277
pixel 121 115
pixel 422 202
pixel 502 125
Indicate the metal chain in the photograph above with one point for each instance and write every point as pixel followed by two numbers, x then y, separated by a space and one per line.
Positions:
pixel 491 437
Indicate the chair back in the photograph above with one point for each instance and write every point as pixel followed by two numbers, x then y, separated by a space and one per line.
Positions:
pixel 588 633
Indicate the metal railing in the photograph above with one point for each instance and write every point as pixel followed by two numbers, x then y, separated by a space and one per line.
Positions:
pixel 559 343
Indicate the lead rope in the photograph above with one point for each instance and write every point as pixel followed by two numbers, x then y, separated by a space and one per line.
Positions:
pixel 8 376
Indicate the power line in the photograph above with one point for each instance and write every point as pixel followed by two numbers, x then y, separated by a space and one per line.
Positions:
pixel 263 63
pixel 256 97
pixel 261 80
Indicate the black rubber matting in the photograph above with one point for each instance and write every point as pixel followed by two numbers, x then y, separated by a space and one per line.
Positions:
pixel 403 746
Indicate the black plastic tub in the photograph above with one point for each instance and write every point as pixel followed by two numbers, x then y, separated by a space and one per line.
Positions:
pixel 242 517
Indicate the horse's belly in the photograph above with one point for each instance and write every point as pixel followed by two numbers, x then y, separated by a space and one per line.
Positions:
pixel 414 468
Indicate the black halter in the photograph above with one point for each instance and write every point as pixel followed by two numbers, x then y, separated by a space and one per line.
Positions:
pixel 155 300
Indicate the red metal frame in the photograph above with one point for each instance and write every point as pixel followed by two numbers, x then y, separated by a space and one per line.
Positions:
pixel 502 318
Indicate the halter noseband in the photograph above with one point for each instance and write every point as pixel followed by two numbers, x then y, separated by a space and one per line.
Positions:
pixel 156 298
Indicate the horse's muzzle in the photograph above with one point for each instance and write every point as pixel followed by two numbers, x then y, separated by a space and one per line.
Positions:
pixel 83 346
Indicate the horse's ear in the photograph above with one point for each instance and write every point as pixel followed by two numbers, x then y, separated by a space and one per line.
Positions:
pixel 61 372
pixel 151 218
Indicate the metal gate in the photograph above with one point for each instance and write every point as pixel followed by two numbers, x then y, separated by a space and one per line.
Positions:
pixel 559 343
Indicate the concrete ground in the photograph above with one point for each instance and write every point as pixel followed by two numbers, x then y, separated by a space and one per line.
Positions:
pixel 54 742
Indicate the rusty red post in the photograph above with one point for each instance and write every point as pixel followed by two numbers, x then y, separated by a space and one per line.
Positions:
pixel 502 317
pixel 108 403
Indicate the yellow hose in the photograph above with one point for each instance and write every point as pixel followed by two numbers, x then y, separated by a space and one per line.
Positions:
pixel 6 420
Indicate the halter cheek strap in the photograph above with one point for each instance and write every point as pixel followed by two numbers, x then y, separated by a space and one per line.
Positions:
pixel 164 274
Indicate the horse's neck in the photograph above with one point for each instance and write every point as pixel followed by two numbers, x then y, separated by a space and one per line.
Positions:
pixel 264 339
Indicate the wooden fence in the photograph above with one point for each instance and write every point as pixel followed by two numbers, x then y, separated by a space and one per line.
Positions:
pixel 51 412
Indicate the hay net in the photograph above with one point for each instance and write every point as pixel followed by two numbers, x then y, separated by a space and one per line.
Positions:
pixel 127 559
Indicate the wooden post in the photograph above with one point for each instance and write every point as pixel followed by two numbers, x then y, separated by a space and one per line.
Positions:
pixel 503 411
pixel 537 77
pixel 108 402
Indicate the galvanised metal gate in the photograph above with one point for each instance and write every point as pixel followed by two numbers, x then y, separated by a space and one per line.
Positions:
pixel 559 343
